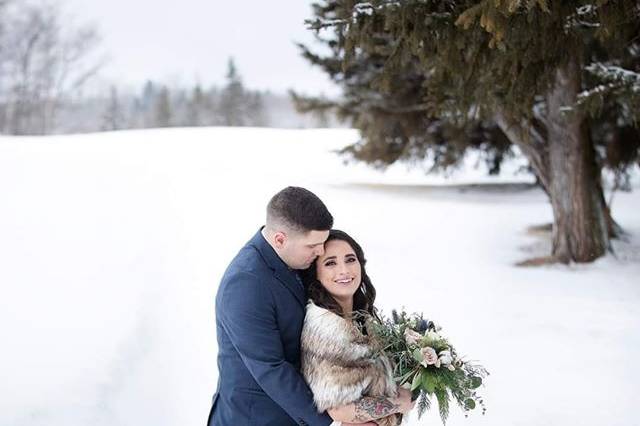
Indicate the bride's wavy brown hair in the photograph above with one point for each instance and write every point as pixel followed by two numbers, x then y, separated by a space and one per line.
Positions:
pixel 364 297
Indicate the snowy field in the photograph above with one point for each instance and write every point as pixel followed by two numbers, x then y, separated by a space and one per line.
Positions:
pixel 112 245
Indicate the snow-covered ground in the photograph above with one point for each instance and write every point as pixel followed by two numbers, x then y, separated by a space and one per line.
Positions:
pixel 112 245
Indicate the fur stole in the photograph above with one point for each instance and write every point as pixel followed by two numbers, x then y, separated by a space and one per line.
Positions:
pixel 341 364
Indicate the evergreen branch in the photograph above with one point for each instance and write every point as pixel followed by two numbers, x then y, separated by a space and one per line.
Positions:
pixel 617 85
pixel 443 404
pixel 578 19
pixel 400 109
pixel 319 24
pixel 360 105
pixel 616 77
pixel 364 9
pixel 424 403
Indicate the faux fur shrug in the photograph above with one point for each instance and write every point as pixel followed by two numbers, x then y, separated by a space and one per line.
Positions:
pixel 341 364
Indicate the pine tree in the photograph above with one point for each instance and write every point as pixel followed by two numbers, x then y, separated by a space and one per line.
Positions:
pixel 149 94
pixel 163 113
pixel 518 72
pixel 146 104
pixel 113 118
pixel 196 107
pixel 232 103
pixel 255 110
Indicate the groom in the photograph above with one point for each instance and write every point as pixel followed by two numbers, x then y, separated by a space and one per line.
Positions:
pixel 260 307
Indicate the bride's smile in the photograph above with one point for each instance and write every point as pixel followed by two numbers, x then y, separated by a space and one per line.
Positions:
pixel 339 271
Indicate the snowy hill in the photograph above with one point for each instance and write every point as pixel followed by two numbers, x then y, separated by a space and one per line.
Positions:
pixel 112 245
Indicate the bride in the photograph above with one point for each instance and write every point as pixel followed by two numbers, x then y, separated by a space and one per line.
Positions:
pixel 345 368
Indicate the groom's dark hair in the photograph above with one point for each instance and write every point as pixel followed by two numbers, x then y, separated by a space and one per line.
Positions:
pixel 298 209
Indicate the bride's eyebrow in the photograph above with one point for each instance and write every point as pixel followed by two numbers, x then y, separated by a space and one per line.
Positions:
pixel 328 258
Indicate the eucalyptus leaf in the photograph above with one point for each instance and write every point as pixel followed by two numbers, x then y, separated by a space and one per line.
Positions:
pixel 469 404
pixel 476 382
pixel 417 381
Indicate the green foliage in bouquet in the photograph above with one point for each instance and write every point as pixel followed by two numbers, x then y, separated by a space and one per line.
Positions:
pixel 426 362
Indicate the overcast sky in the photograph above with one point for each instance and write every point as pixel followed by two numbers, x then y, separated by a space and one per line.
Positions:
pixel 181 41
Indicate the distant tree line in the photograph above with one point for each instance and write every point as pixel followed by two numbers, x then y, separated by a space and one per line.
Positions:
pixel 46 63
pixel 158 105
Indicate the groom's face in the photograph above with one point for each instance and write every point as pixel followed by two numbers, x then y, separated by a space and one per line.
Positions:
pixel 299 250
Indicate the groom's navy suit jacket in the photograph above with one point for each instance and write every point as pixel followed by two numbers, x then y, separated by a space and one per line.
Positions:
pixel 260 309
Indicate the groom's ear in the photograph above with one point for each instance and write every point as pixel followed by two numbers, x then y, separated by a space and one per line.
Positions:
pixel 279 238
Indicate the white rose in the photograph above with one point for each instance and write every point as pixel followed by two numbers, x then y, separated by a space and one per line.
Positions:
pixel 429 356
pixel 433 335
pixel 445 357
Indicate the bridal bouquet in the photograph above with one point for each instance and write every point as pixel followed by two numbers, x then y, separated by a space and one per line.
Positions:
pixel 426 362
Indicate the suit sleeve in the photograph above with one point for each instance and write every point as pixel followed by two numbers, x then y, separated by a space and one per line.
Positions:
pixel 248 315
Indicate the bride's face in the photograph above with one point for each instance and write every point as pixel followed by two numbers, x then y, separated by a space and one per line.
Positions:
pixel 338 269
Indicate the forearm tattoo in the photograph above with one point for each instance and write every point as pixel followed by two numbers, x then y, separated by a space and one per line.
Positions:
pixel 371 408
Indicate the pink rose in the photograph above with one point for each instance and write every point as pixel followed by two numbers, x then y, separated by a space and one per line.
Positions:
pixel 411 337
pixel 429 356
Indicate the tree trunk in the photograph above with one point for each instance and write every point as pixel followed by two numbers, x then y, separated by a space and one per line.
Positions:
pixel 581 219
pixel 564 161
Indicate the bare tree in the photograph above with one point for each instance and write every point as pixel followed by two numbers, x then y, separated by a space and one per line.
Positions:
pixel 3 60
pixel 44 64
